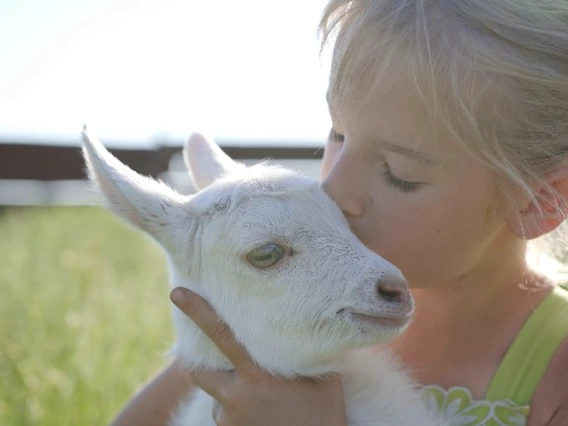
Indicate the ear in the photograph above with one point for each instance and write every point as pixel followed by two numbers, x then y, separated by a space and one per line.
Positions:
pixel 206 161
pixel 144 203
pixel 545 213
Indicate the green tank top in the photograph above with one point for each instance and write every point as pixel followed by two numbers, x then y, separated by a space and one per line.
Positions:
pixel 507 399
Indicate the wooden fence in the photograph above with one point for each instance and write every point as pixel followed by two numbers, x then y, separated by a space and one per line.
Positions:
pixel 50 163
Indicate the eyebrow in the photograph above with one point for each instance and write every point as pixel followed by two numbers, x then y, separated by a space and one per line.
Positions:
pixel 412 154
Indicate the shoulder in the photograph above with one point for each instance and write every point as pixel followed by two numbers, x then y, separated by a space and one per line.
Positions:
pixel 549 405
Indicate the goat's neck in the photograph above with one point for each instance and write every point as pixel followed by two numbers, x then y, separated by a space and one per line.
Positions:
pixel 193 348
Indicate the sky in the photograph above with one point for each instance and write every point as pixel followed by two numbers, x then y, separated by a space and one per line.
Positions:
pixel 147 70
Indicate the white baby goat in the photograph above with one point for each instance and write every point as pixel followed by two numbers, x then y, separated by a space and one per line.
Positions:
pixel 274 256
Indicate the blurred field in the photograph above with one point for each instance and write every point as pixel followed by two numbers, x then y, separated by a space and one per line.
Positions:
pixel 84 315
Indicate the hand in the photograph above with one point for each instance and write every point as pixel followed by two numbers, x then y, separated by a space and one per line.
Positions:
pixel 249 396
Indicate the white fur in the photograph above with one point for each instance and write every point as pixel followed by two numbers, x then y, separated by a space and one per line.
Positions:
pixel 294 318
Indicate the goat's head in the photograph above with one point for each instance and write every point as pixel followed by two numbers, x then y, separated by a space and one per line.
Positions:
pixel 269 250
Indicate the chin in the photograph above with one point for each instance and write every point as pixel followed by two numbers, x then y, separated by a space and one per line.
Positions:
pixel 370 337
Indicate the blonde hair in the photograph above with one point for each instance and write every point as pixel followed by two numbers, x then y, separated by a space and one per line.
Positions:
pixel 495 72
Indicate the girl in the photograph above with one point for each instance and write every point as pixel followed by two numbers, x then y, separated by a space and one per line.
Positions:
pixel 447 155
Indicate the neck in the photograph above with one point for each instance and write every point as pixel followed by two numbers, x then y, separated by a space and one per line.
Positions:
pixel 483 292
pixel 486 306
pixel 192 347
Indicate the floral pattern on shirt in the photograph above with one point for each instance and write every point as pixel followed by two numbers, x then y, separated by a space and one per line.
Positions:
pixel 461 409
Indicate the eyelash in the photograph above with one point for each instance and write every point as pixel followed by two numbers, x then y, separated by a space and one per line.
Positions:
pixel 335 137
pixel 397 183
pixel 390 179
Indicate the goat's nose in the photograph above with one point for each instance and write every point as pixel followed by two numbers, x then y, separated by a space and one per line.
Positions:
pixel 394 290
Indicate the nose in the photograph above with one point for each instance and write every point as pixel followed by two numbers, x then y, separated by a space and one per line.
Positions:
pixel 394 290
pixel 341 184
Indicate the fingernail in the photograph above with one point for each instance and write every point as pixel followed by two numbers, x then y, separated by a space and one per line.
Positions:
pixel 179 295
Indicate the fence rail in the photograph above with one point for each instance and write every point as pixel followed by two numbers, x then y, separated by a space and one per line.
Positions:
pixel 50 163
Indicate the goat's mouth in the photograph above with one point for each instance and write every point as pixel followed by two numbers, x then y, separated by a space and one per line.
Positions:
pixel 374 319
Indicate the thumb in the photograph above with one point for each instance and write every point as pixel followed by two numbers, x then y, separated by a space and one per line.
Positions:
pixel 214 327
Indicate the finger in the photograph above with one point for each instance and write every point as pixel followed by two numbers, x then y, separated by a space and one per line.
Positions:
pixel 214 327
pixel 215 382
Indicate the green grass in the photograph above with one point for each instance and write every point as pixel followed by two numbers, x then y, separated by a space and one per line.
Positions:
pixel 84 315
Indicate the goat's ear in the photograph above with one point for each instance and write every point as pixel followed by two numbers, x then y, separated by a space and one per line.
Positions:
pixel 143 202
pixel 206 161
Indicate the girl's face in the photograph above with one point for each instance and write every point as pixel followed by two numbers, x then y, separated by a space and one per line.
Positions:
pixel 410 193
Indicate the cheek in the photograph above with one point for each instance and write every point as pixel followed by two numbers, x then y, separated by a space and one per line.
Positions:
pixel 431 237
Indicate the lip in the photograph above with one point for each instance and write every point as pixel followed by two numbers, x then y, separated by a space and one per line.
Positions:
pixel 399 321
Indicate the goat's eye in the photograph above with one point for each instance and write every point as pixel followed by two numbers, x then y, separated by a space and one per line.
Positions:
pixel 266 256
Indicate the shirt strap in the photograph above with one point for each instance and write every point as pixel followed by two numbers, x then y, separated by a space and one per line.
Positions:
pixel 527 359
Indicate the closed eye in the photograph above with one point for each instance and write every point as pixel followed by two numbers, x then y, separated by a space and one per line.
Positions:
pixel 397 183
pixel 392 180
pixel 335 137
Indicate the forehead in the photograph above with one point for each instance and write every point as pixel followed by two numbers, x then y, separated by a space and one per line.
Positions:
pixel 394 113
pixel 288 214
pixel 299 204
